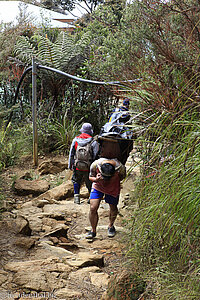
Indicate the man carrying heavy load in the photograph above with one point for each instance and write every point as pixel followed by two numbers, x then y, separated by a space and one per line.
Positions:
pixel 105 175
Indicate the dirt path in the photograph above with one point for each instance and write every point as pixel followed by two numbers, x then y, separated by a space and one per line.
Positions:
pixel 44 253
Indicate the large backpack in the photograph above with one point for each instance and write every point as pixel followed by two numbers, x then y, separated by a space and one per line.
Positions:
pixel 83 157
pixel 117 127
pixel 116 130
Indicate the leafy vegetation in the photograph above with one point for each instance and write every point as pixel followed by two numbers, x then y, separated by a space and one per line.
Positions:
pixel 165 234
pixel 164 239
pixel 57 135
pixel 13 143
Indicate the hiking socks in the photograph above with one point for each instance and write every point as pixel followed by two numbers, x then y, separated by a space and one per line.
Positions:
pixel 76 188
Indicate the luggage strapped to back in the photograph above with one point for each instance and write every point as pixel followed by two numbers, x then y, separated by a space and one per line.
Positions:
pixel 117 128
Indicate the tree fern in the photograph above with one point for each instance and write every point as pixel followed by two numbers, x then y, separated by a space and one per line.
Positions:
pixel 65 54
pixel 24 50
pixel 46 53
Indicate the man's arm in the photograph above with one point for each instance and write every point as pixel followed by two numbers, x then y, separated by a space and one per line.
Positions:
pixel 72 153
pixel 94 176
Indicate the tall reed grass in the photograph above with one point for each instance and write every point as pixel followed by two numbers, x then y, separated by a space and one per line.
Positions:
pixel 165 232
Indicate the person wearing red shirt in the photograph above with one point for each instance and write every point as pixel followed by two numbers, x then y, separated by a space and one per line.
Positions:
pixel 105 175
pixel 82 175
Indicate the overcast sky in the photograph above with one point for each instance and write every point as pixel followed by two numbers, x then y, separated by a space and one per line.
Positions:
pixel 78 11
pixel 10 11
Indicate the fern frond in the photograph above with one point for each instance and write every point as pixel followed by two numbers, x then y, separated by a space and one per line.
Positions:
pixel 24 50
pixel 46 51
pixel 65 54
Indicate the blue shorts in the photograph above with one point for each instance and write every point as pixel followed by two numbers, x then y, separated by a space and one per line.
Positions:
pixel 108 198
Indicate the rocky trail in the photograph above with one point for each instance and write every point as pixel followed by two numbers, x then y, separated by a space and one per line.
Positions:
pixel 43 250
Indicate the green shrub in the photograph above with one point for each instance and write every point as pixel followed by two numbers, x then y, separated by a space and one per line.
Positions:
pixel 14 142
pixel 64 133
pixel 54 135
pixel 8 148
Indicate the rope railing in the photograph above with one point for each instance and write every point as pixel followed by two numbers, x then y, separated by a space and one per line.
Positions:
pixel 87 80
pixel 35 66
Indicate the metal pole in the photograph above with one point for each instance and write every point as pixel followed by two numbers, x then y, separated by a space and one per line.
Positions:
pixel 34 112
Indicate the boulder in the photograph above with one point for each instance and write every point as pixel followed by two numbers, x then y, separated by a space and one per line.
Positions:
pixel 21 226
pixel 25 242
pixel 27 187
pixel 33 215
pixel 39 275
pixel 57 231
pixel 53 166
pixel 55 251
pixel 84 192
pixel 65 209
pixel 63 191
pixel 86 259
pixel 35 223
pixel 83 274
pixel 99 279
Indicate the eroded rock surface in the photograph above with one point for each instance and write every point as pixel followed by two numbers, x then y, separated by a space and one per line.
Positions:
pixel 46 253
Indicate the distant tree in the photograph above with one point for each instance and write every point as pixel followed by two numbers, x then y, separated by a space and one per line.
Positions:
pixel 68 5
pixel 110 46
pixel 9 73
pixel 64 54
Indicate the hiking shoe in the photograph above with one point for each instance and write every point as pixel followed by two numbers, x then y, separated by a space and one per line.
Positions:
pixel 111 231
pixel 77 199
pixel 90 235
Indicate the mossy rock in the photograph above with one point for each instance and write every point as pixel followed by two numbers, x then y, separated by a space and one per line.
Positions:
pixel 125 286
